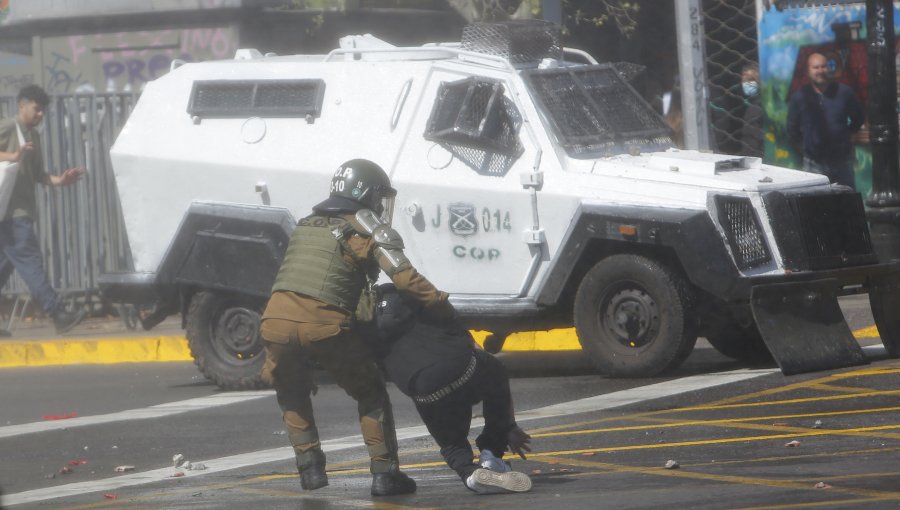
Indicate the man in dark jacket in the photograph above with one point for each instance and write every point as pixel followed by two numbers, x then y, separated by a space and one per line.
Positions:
pixel 822 116
pixel 438 364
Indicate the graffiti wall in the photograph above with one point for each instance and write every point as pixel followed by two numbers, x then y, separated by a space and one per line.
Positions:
pixel 125 61
pixel 111 62
pixel 786 38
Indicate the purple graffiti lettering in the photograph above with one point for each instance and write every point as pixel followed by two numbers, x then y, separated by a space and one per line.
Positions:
pixel 157 66
pixel 135 68
pixel 113 69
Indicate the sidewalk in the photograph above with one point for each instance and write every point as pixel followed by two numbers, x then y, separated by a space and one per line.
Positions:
pixel 96 340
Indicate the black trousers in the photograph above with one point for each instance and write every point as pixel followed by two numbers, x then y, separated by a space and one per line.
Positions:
pixel 449 419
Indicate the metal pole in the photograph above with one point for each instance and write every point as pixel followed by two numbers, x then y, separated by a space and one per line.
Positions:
pixel 692 69
pixel 884 199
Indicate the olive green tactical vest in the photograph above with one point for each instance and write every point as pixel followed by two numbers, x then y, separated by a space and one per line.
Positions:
pixel 313 265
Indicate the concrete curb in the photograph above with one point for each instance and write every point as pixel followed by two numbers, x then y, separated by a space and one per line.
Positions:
pixel 108 350
pixel 35 353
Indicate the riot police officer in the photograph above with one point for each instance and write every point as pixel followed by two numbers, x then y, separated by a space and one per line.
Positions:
pixel 333 258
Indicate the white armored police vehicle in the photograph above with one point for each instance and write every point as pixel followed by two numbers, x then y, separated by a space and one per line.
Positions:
pixel 534 185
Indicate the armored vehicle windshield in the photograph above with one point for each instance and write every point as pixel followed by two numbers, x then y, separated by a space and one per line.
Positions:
pixel 595 113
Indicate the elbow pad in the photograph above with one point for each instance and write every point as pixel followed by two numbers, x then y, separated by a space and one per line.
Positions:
pixel 389 244
pixel 390 250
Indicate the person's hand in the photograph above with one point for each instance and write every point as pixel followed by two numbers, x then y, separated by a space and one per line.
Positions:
pixel 22 150
pixel 71 176
pixel 519 442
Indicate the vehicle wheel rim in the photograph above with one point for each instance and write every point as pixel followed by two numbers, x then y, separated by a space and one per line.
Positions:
pixel 235 335
pixel 630 317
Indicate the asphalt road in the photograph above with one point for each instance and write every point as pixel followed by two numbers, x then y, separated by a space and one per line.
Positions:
pixel 599 442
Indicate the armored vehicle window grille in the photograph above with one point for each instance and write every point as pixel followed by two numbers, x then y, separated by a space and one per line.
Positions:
pixel 748 244
pixel 269 98
pixel 820 230
pixel 475 114
pixel 595 113
pixel 519 41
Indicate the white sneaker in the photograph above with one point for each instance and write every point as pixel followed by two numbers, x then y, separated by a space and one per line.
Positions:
pixel 485 481
pixel 490 461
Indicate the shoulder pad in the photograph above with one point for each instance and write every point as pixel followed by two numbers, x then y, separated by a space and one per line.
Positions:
pixel 387 238
pixel 368 220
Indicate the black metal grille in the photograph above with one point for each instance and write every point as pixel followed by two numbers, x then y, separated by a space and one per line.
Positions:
pixel 519 41
pixel 820 230
pixel 596 113
pixel 270 98
pixel 475 118
pixel 742 229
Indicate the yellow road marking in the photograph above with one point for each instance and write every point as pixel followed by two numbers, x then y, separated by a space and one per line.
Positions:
pixel 710 422
pixel 804 430
pixel 731 479
pixel 838 388
pixel 875 393
pixel 794 435
pixel 839 503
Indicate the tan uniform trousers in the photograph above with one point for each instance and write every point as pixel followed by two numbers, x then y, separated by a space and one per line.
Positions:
pixel 290 348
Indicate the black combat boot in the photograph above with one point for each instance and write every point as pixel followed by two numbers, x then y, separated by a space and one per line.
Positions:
pixel 392 483
pixel 311 465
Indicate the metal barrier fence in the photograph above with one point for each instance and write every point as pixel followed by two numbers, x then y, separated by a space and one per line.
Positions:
pixel 80 228
pixel 731 47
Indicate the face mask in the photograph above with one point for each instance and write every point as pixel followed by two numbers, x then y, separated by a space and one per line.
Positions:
pixel 751 88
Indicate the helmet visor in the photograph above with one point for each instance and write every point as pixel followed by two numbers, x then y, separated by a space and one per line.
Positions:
pixel 387 209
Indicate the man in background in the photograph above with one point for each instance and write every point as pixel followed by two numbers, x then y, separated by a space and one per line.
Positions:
pixel 19 248
pixel 822 117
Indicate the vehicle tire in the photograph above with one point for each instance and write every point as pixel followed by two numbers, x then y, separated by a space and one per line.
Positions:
pixel 635 316
pixel 223 334
pixel 885 302
pixel 743 343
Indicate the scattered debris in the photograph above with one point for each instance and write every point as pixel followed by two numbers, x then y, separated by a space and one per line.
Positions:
pixel 779 424
pixel 66 470
pixel 792 444
pixel 817 424
pixel 821 485
pixel 85 448
pixel 115 447
pixel 51 417
pixel 77 462
pixel 179 461
pixel 178 474
pixel 279 433
pixel 111 495
pixel 51 476
pixel 122 469
pixel 672 464
pixel 536 471
pixel 588 454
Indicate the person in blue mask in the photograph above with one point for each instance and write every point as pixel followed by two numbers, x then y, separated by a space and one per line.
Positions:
pixel 738 116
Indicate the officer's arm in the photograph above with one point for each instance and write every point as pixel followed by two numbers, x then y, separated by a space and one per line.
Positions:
pixel 392 260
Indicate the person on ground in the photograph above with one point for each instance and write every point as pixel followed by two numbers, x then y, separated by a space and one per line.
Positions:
pixel 438 364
